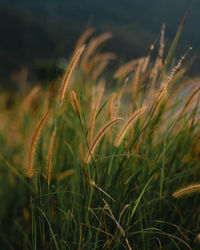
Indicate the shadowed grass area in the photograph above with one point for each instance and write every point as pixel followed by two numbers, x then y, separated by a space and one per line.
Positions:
pixel 86 164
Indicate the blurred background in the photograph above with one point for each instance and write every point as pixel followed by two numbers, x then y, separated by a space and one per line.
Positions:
pixel 35 34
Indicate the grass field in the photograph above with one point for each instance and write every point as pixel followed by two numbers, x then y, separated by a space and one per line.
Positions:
pixel 90 164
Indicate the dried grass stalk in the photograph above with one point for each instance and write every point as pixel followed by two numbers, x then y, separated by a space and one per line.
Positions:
pixel 90 133
pixel 147 58
pixel 127 125
pixel 34 142
pixel 118 225
pixel 99 137
pixel 187 190
pixel 69 72
pixel 49 156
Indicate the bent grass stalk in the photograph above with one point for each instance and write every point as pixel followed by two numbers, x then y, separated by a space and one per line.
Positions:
pixel 127 125
pixel 126 68
pixel 186 190
pixel 99 137
pixel 118 225
pixel 34 142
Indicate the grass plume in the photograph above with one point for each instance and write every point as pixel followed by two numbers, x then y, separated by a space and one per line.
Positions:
pixel 34 142
pixel 127 125
pixel 69 72
pixel 186 190
pixel 75 103
pixel 99 137
pixel 94 113
pixel 49 156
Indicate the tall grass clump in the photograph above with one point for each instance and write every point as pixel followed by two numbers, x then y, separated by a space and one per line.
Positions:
pixel 89 164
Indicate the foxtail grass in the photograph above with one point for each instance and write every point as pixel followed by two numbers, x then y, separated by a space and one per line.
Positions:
pixel 33 146
pixel 127 125
pixel 99 137
pixel 186 190
pixel 68 73
pixel 94 114
pixel 75 103
pixel 49 156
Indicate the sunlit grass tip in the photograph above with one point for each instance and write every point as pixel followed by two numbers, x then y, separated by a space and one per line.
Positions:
pixel 127 125
pixel 186 190
pixel 69 72
pixel 99 136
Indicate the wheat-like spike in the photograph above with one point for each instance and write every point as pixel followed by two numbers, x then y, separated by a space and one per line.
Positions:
pixel 75 103
pixel 99 137
pixel 34 142
pixel 126 68
pixel 91 64
pixel 90 133
pixel 49 156
pixel 84 37
pixel 189 101
pixel 127 125
pixel 27 100
pixel 92 46
pixel 69 72
pixel 98 58
pixel 99 69
pixel 186 190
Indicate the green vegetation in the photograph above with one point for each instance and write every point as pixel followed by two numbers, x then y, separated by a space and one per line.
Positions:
pixel 89 165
